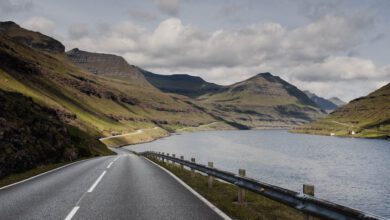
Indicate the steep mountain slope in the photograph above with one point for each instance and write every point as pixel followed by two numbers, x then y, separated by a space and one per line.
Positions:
pixel 337 101
pixel 32 135
pixel 108 65
pixel 98 104
pixel 368 116
pixel 182 84
pixel 262 101
pixel 29 38
pixel 323 103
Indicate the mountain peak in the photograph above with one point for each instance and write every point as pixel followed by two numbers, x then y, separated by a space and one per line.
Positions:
pixel 31 39
pixel 8 24
pixel 266 74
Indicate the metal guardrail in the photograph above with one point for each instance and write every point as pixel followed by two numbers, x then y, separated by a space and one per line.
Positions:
pixel 309 205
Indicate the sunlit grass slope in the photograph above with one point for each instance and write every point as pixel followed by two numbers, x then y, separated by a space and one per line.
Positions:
pixel 368 116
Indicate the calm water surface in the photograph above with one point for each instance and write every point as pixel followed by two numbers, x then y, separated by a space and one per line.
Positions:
pixel 349 171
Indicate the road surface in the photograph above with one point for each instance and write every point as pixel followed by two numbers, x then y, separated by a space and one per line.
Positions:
pixel 114 187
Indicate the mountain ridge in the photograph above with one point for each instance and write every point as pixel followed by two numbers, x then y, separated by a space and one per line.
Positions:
pixel 182 84
pixel 323 103
pixel 31 39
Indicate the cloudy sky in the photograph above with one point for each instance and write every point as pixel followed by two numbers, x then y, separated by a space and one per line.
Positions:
pixel 330 47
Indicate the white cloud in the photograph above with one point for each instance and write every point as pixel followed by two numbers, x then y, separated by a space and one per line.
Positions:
pixel 312 56
pixel 40 24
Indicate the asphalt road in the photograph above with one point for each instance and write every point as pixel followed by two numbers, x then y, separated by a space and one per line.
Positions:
pixel 114 187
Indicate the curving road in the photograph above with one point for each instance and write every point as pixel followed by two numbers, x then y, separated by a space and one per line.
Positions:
pixel 114 187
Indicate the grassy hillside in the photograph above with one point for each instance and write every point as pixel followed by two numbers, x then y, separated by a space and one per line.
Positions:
pixel 262 101
pixel 368 116
pixel 32 135
pixel 100 105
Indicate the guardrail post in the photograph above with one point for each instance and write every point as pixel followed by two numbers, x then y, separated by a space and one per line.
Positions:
pixel 181 158
pixel 192 170
pixel 167 159
pixel 241 191
pixel 211 178
pixel 162 157
pixel 174 156
pixel 308 190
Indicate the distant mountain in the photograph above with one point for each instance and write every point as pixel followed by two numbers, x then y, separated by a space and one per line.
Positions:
pixel 262 101
pixel 182 84
pixel 29 38
pixel 368 116
pixel 337 101
pixel 323 103
pixel 108 65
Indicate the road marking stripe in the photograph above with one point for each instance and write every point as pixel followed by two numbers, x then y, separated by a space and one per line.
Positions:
pixel 72 213
pixel 96 182
pixel 109 165
pixel 209 204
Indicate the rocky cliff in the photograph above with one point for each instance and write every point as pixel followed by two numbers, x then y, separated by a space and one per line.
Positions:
pixel 107 65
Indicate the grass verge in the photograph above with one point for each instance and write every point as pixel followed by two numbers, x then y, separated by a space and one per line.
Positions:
pixel 224 196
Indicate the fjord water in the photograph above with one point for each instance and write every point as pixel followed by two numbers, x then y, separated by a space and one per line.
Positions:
pixel 350 171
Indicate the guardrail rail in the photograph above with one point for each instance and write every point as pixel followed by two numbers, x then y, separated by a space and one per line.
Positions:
pixel 307 204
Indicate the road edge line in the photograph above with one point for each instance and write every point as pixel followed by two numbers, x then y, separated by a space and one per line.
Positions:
pixel 41 174
pixel 204 200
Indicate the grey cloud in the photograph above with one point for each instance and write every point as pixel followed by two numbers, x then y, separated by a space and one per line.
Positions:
pixel 320 8
pixel 229 9
pixel 141 15
pixel 41 24
pixel 12 6
pixel 78 31
pixel 169 7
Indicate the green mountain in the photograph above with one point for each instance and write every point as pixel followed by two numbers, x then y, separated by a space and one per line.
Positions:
pixel 368 116
pixel 323 103
pixel 182 84
pixel 262 101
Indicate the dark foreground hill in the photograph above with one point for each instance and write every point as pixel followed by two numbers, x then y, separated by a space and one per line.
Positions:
pixel 368 116
pixel 32 135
